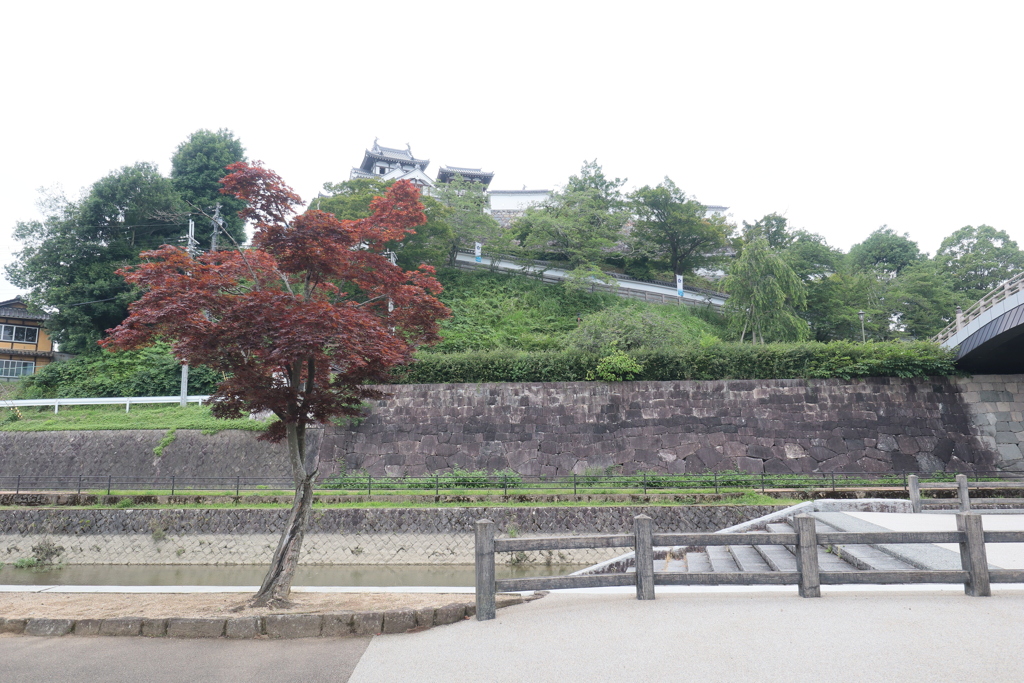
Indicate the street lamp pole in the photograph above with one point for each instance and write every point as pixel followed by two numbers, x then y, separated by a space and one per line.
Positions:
pixel 863 337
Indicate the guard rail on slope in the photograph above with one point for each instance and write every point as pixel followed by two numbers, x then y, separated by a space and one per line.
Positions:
pixel 128 401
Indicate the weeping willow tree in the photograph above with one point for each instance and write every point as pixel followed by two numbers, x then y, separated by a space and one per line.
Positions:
pixel 764 295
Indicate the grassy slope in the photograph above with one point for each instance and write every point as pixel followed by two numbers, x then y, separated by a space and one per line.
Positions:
pixel 493 311
pixel 114 417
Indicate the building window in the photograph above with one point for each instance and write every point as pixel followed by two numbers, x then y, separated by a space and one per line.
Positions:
pixel 16 333
pixel 16 368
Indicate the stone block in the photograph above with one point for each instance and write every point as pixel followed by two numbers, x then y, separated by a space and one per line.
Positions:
pixel 154 628
pixel 294 625
pixel 87 627
pixel 399 620
pixel 243 627
pixel 424 617
pixel 121 626
pixel 449 614
pixel 367 623
pixel 195 628
pixel 1009 452
pixel 338 624
pixel 16 626
pixel 48 627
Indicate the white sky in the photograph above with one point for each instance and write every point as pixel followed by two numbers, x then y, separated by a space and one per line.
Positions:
pixel 842 116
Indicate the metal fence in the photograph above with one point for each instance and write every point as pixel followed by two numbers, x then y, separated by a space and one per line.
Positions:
pixel 127 401
pixel 499 483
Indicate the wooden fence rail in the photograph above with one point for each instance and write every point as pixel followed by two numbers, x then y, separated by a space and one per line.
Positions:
pixel 970 536
pixel 963 488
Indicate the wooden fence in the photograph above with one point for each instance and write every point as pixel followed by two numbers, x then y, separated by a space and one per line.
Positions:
pixel 974 574
pixel 963 487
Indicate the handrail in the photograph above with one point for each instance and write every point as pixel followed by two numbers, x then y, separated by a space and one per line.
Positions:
pixel 970 535
pixel 1000 293
pixel 107 401
pixel 617 276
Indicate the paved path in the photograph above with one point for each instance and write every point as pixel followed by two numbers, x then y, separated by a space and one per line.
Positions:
pixel 905 637
pixel 97 659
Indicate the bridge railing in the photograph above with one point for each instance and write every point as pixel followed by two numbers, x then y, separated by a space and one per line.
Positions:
pixel 970 535
pixel 1007 289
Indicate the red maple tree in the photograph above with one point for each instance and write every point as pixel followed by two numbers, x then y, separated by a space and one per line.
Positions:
pixel 300 323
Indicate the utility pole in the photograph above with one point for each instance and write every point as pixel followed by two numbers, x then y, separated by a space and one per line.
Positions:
pixel 192 248
pixel 217 222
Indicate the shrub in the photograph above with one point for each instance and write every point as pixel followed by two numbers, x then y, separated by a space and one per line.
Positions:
pixel 707 360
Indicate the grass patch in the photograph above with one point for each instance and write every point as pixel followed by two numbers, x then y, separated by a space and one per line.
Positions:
pixel 74 418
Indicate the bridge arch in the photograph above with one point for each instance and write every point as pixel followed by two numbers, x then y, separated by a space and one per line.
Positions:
pixel 989 336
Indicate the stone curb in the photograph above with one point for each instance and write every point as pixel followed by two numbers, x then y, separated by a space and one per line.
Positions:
pixel 275 626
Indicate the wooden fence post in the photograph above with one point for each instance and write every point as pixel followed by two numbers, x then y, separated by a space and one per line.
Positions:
pixel 973 557
pixel 643 547
pixel 807 556
pixel 962 493
pixel 484 570
pixel 914 484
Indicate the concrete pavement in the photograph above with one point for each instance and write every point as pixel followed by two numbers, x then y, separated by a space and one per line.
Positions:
pixel 764 636
pixel 97 659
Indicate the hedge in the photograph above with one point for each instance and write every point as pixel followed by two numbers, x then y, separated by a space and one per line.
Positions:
pixel 844 360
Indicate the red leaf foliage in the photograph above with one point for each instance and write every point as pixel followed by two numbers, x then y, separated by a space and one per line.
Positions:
pixel 299 322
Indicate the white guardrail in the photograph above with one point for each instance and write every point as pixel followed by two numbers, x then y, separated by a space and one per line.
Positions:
pixel 128 401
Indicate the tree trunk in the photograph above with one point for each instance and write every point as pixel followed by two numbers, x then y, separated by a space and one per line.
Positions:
pixel 277 584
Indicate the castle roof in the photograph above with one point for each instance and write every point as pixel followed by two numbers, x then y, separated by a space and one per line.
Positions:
pixel 446 174
pixel 390 155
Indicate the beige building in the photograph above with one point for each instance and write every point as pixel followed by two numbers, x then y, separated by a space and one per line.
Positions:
pixel 25 347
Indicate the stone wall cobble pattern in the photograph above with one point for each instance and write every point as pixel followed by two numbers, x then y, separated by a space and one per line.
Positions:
pixel 774 426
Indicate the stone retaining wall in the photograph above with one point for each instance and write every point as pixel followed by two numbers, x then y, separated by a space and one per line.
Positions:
pixel 336 536
pixel 775 426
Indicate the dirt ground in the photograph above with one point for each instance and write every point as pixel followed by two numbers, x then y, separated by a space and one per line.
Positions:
pixel 164 605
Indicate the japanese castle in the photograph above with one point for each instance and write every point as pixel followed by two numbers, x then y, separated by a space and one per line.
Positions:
pixel 389 163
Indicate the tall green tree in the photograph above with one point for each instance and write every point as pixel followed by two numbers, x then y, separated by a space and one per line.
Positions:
pixel 978 259
pixel 68 259
pixel 885 252
pixel 196 169
pixel 773 228
pixel 464 202
pixel 673 230
pixel 351 199
pixel 765 295
pixel 921 300
pixel 580 224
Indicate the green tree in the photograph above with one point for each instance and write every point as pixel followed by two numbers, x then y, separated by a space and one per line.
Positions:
pixel 464 202
pixel 580 224
pixel 885 252
pixel 673 230
pixel 68 259
pixel 834 304
pixel 978 259
pixel 350 200
pixel 764 295
pixel 773 228
pixel 921 300
pixel 196 169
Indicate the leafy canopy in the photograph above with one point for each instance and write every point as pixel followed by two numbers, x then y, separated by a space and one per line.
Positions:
pixel 275 318
pixel 672 229
pixel 196 169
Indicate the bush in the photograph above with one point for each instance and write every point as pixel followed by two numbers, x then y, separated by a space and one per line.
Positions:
pixel 152 371
pixel 703 361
